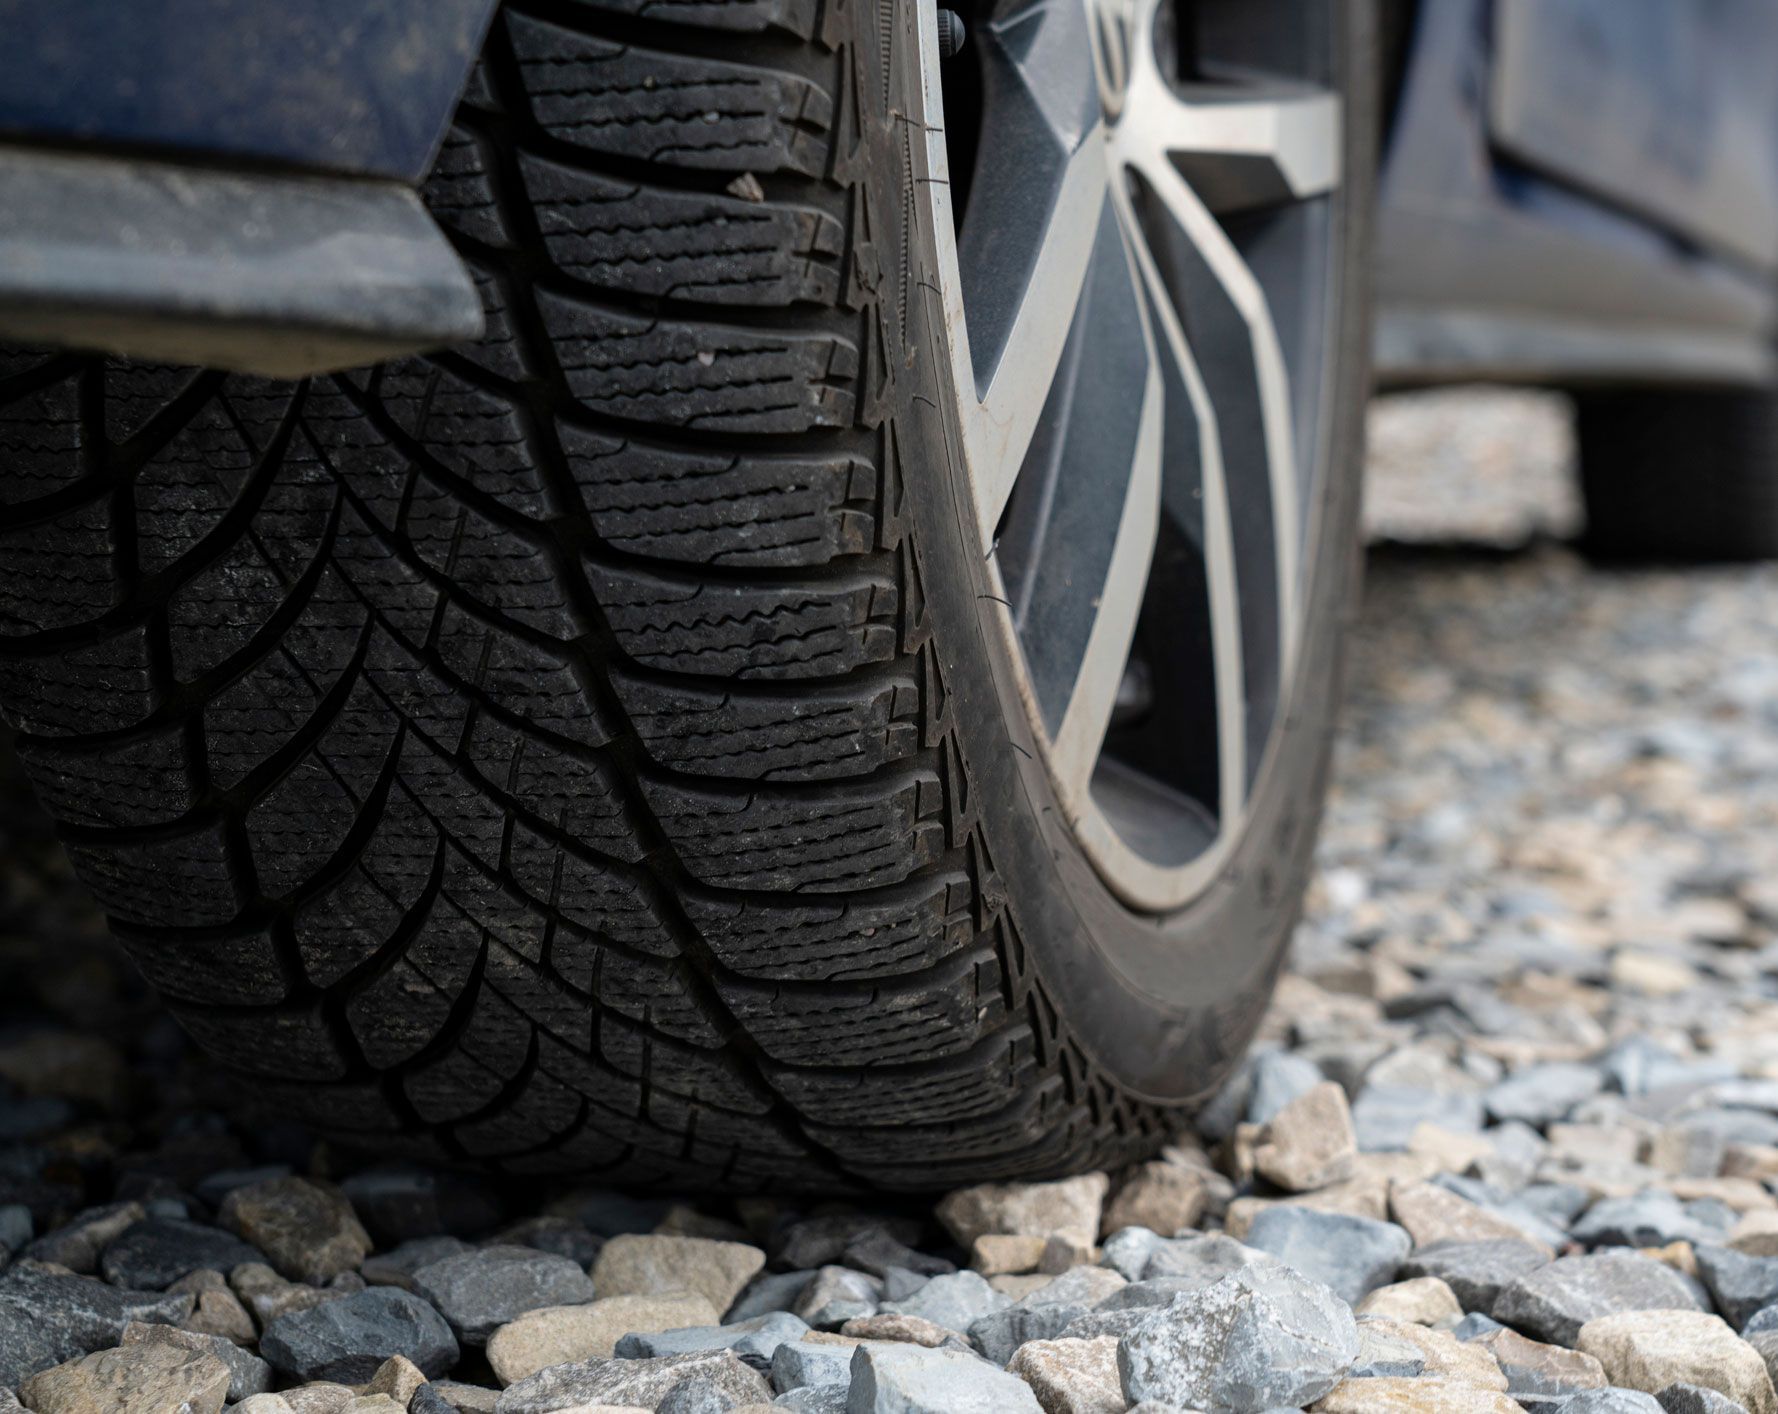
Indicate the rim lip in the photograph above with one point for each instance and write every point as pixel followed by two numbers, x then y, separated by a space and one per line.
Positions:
pixel 1140 884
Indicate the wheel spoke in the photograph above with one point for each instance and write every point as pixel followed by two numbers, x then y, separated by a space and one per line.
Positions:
pixel 1251 147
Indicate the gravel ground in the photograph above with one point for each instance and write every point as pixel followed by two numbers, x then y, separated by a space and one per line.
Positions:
pixel 1510 1139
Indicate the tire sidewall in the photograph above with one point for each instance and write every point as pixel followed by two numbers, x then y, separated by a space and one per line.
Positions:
pixel 1163 1006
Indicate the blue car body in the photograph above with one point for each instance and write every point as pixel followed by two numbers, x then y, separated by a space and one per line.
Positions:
pixel 1571 190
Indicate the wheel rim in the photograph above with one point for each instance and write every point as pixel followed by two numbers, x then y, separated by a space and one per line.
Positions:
pixel 1137 266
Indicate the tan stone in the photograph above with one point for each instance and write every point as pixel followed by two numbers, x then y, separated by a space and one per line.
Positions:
pixel 911 1330
pixel 307 1229
pixel 1072 1376
pixel 375 1404
pixel 1362 1197
pixel 1070 1207
pixel 1006 1254
pixel 1756 1234
pixel 1163 1197
pixel 1310 1143
pixel 1651 973
pixel 1596 1143
pixel 1392 1168
pixel 1061 1254
pixel 555 1335
pixel 1570 1369
pixel 1433 1214
pixel 151 1377
pixel 643 1264
pixel 466 1399
pixel 1447 1357
pixel 1649 1350
pixel 321 1397
pixel 397 1377
pixel 1422 1301
pixel 1453 1152
pixel 1415 1396
pixel 1744 1195
pixel 1755 1161
pixel 262 1404
pixel 221 1313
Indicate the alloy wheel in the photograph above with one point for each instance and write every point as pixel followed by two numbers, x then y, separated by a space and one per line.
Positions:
pixel 1136 205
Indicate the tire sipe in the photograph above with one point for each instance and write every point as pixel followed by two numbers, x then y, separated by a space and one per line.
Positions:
pixel 592 750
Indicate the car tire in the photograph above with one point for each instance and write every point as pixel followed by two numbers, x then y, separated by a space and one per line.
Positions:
pixel 589 751
pixel 1679 475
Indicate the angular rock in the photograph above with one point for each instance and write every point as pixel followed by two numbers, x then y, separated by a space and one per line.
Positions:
pixel 269 1296
pixel 1261 1337
pixel 397 1266
pixel 835 1295
pixel 1045 1313
pixel 1542 1093
pixel 808 1364
pixel 1384 1117
pixel 1531 1367
pixel 822 1241
pixel 642 1383
pixel 911 1329
pixel 642 1264
pixel 47 1318
pixel 1445 1357
pixel 1432 1214
pixel 1006 1254
pixel 306 1229
pixel 1610 1401
pixel 1423 1301
pixel 753 1340
pixel 1160 1196
pixel 774 1291
pixel 1279 1078
pixel 153 1254
pixel 554 1335
pixel 1476 1272
pixel 550 1232
pixel 1351 1256
pixel 1740 1285
pixel 1309 1143
pixel 144 1376
pixel 1554 1301
pixel 77 1244
pixel 910 1379
pixel 1649 1350
pixel 247 1373
pixel 1414 1396
pixel 348 1339
pixel 1649 1219
pixel 1695 1399
pixel 398 1378
pixel 1384 1353
pixel 485 1288
pixel 1071 1376
pixel 952 1301
pixel 1070 1208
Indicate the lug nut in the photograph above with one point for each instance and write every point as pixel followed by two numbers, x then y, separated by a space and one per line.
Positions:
pixel 952 35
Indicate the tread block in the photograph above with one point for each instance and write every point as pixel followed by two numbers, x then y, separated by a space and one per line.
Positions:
pixel 217 613
pixel 397 1014
pixel 345 924
pixel 41 436
pixel 285 1044
pixel 978 1082
pixel 487 562
pixel 188 876
pixel 531 682
pixel 239 971
pixel 846 940
pixel 658 998
pixel 544 1107
pixel 103 686
pixel 580 798
pixel 144 781
pixel 683 110
pixel 59 575
pixel 925 1019
pixel 186 487
pixel 685 625
pixel 460 193
pixel 709 508
pixel 669 244
pixel 715 377
pixel 468 430
pixel 774 736
pixel 593 897
pixel 860 836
